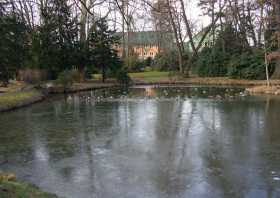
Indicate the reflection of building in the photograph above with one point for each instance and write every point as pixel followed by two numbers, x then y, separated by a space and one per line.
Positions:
pixel 143 44
pixel 150 92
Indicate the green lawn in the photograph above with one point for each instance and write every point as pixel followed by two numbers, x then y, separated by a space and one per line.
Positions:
pixel 147 75
pixel 151 76
pixel 13 98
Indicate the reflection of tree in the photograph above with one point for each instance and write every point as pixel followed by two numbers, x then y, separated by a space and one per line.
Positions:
pixel 94 130
pixel 235 149
pixel 90 162
pixel 15 137
pixel 165 141
pixel 272 124
pixel 270 148
pixel 60 129
pixel 174 120
pixel 215 166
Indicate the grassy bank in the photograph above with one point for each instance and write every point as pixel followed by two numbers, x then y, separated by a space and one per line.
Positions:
pixel 10 188
pixel 215 81
pixel 13 87
pixel 12 100
pixel 151 76
pixel 157 77
pixel 77 87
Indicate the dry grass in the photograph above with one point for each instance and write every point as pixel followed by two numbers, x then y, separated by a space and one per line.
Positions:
pixel 76 87
pixel 13 99
pixel 166 78
pixel 274 90
pixel 205 81
pixel 12 87
pixel 152 76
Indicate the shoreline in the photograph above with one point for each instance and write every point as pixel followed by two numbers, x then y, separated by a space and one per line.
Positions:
pixel 253 87
pixel 215 81
pixel 264 90
pixel 11 187
pixel 78 87
pixel 20 99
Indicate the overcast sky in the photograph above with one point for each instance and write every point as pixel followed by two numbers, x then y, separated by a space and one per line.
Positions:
pixel 143 20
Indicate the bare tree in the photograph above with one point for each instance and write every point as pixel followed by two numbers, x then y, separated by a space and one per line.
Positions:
pixel 276 11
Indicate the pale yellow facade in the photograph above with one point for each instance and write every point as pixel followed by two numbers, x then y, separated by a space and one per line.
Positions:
pixel 142 51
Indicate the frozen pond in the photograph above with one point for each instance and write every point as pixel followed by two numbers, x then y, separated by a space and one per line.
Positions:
pixel 147 142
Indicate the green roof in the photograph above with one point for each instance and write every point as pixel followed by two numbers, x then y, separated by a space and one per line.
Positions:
pixel 141 38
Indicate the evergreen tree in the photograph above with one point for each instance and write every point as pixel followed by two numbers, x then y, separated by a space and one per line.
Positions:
pixel 101 52
pixel 13 43
pixel 232 38
pixel 58 37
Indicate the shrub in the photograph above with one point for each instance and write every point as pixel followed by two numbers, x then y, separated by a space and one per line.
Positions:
pixel 134 64
pixel 122 76
pixel 173 75
pixel 68 77
pixel 247 65
pixel 214 62
pixel 166 61
pixel 31 75
pixel 211 63
pixel 148 69
pixel 148 62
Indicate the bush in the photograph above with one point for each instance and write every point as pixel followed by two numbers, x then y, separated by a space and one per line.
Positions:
pixel 211 63
pixel 247 66
pixel 68 77
pixel 123 77
pixel 173 75
pixel 134 64
pixel 148 69
pixel 148 62
pixel 166 61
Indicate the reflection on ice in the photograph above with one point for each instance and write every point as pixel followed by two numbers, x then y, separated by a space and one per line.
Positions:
pixel 147 142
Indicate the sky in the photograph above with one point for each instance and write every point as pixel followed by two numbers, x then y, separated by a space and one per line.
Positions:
pixel 143 18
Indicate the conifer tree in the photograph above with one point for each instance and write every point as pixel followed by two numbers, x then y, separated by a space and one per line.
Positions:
pixel 101 52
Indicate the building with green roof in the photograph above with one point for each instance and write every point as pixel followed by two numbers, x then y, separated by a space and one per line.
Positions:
pixel 145 44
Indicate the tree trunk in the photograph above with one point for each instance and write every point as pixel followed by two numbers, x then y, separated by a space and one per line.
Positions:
pixel 188 28
pixel 5 76
pixel 103 74
pixel 276 74
pixel 191 58
pixel 83 21
pixel 81 74
pixel 188 67
pixel 260 31
pixel 178 44
pixel 123 30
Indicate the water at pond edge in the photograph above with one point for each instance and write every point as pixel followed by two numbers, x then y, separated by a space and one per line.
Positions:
pixel 147 142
